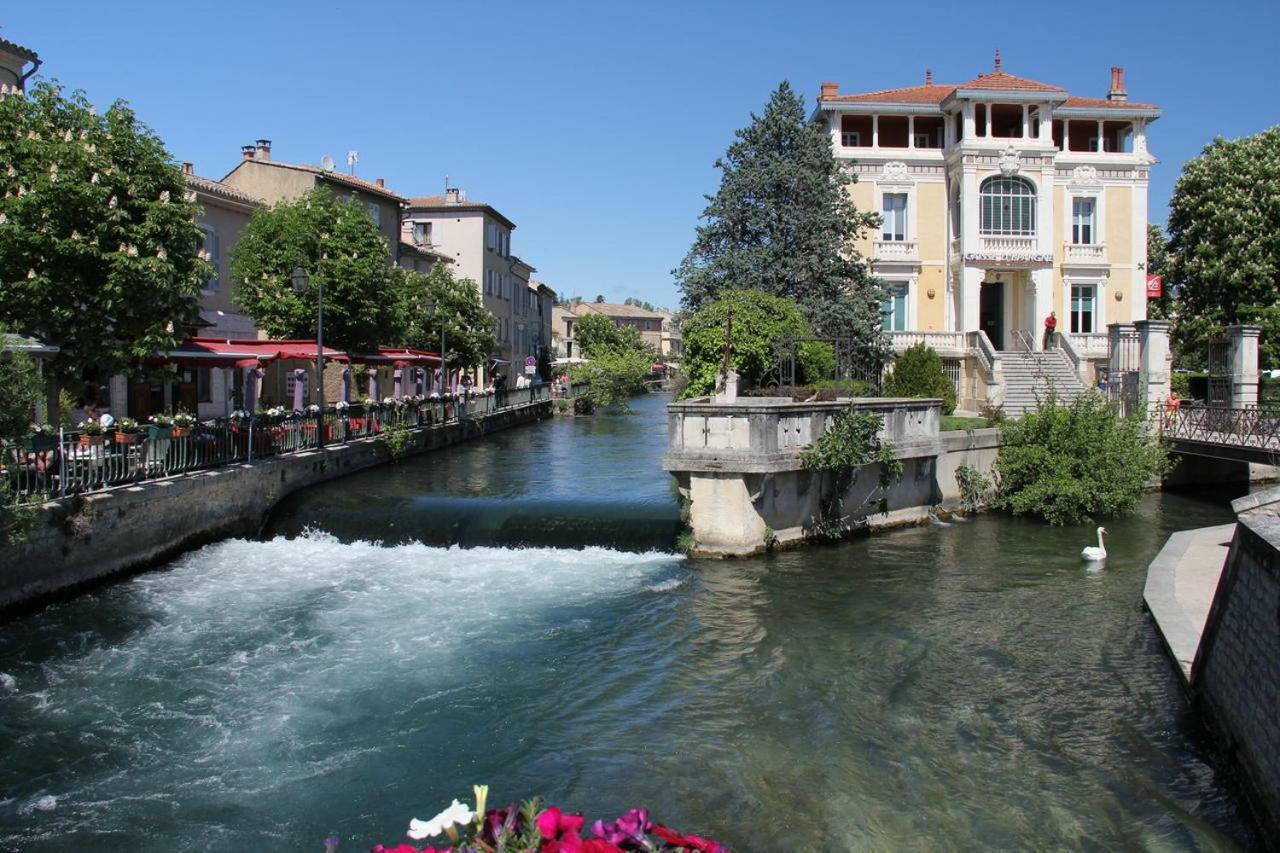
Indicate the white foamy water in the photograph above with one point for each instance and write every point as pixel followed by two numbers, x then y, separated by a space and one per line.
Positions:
pixel 256 669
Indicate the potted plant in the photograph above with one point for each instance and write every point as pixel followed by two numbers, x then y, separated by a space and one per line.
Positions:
pixel 127 431
pixel 161 426
pixel 182 424
pixel 43 437
pixel 91 434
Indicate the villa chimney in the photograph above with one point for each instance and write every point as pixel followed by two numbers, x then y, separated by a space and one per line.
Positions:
pixel 452 195
pixel 829 90
pixel 247 151
pixel 188 168
pixel 928 76
pixel 998 71
pixel 1117 92
pixel 263 149
pixel 381 183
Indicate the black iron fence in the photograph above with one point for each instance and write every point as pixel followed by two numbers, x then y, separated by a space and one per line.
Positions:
pixel 46 466
pixel 1251 428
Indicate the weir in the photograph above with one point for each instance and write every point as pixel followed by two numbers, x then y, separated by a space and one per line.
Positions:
pixel 738 465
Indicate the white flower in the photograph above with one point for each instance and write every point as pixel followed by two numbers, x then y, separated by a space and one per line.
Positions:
pixel 112 202
pixel 161 253
pixel 31 273
pixel 164 196
pixel 4 217
pixel 68 136
pixel 93 179
pixel 455 813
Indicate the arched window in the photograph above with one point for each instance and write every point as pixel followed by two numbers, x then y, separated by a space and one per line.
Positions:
pixel 1008 206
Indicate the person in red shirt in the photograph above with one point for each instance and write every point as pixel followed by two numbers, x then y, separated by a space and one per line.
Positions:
pixel 1050 326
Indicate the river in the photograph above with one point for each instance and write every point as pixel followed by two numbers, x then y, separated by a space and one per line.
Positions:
pixel 961 687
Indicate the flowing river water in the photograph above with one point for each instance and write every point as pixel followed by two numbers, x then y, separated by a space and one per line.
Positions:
pixel 961 687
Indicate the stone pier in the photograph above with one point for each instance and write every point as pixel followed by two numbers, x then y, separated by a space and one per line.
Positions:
pixel 737 463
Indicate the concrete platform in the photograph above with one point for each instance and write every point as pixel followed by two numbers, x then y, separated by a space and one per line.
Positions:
pixel 1181 583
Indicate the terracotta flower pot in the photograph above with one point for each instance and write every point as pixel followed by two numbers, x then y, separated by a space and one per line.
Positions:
pixel 181 432
pixel 127 438
pixel 92 440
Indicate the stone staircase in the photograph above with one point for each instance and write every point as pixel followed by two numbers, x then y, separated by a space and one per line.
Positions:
pixel 1028 374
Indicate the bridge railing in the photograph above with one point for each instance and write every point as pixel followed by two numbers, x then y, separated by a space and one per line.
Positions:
pixel 1251 427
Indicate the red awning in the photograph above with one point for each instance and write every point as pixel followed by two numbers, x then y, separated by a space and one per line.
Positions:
pixel 223 352
pixel 397 356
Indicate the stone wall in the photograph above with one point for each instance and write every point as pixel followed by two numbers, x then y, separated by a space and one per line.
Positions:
pixel 738 466
pixel 1236 675
pixel 85 538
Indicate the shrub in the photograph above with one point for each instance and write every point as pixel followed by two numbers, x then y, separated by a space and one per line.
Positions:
pixel 398 440
pixel 761 323
pixel 613 376
pixel 850 441
pixel 1180 384
pixel 975 488
pixel 1069 464
pixel 918 373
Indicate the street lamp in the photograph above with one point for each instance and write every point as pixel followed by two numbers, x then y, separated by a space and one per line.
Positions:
pixel 300 280
pixel 431 308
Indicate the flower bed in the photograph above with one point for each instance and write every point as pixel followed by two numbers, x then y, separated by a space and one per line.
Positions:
pixel 528 828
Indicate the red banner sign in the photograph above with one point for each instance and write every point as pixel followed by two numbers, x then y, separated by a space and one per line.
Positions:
pixel 1155 285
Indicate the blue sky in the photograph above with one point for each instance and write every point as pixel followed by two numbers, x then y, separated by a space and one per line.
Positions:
pixel 594 125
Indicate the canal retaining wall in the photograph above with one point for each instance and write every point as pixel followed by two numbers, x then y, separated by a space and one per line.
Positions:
pixel 1235 679
pixel 90 537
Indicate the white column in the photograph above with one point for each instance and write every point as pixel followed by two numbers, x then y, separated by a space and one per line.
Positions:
pixel 1041 303
pixel 1066 134
pixel 1101 141
pixel 875 131
pixel 1153 365
pixel 911 131
pixel 1026 122
pixel 968 121
pixel 1046 227
pixel 1244 365
pixel 1046 123
pixel 970 290
pixel 969 210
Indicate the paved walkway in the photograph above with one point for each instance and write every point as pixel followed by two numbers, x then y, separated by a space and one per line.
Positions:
pixel 1181 582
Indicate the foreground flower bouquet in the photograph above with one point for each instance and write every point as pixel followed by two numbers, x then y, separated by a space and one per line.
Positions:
pixel 529 828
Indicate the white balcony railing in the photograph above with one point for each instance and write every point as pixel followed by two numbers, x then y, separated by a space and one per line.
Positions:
pixel 944 343
pixel 1085 253
pixel 1006 243
pixel 896 250
pixel 1092 346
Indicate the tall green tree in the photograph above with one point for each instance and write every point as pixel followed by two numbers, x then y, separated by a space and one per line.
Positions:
pixel 341 249
pixel 782 222
pixel 436 299
pixel 97 235
pixel 1224 241
pixel 20 387
pixel 1160 307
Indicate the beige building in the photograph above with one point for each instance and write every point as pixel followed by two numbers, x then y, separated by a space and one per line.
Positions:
pixel 478 239
pixel 1003 199
pixel 672 347
pixel 14 59
pixel 564 343
pixel 267 180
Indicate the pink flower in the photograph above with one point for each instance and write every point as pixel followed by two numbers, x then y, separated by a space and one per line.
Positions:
pixel 553 823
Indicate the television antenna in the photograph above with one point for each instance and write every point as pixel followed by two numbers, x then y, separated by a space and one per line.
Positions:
pixel 353 157
pixel 326 163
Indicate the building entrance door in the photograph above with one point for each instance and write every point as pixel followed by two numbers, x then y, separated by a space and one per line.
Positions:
pixel 991 312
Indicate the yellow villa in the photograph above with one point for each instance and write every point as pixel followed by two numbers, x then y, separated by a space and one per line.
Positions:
pixel 1003 199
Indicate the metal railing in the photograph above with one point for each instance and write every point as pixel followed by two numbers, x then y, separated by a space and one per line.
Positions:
pixel 1253 428
pixel 44 467
pixel 1022 341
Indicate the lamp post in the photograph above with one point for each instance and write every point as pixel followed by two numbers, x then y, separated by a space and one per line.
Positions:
pixel 300 279
pixel 431 307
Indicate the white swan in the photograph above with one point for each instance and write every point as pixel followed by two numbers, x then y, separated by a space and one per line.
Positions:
pixel 1098 553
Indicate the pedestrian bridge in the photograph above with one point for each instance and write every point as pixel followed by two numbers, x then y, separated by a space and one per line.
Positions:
pixel 1237 435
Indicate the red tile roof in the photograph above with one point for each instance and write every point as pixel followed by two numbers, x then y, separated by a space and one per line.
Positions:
pixel 329 175
pixel 928 94
pixel 936 93
pixel 442 202
pixel 1000 80
pixel 1103 103
pixel 208 185
pixel 18 50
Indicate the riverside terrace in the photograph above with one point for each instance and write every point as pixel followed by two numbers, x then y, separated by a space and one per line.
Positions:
pixel 52 465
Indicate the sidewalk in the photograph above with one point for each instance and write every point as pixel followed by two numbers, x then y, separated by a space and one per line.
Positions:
pixel 1181 583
